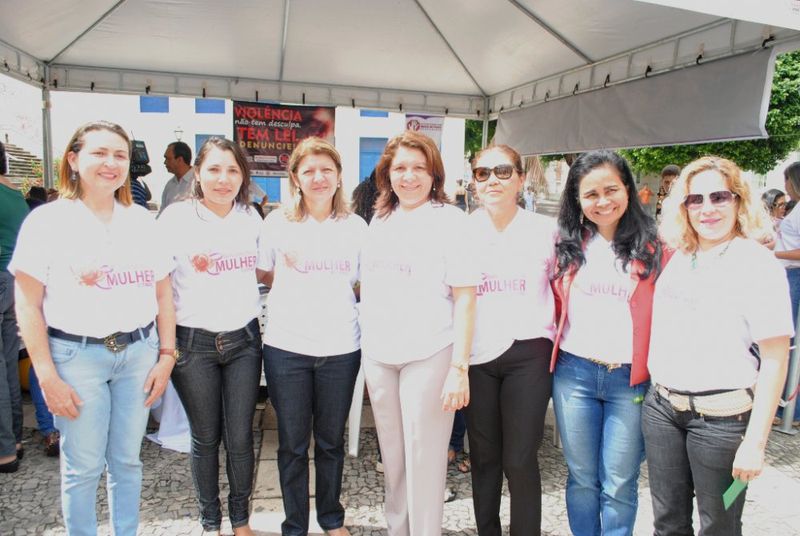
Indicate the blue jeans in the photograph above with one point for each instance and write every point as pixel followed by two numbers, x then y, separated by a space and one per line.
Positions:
pixel 690 455
pixel 44 419
pixel 311 393
pixel 599 419
pixel 107 433
pixel 10 394
pixel 793 275
pixel 217 381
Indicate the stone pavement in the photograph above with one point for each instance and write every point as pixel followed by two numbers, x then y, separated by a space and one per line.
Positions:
pixel 29 502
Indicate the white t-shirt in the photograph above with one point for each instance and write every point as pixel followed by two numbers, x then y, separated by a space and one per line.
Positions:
pixel 98 278
pixel 311 308
pixel 411 260
pixel 214 264
pixel 789 237
pixel 706 318
pixel 599 324
pixel 515 300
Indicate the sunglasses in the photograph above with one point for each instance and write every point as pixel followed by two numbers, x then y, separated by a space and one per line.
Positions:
pixel 719 199
pixel 482 174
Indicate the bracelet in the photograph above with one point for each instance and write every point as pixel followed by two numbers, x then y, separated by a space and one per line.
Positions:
pixel 174 353
pixel 463 367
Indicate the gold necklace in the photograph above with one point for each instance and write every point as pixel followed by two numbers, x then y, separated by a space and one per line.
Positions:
pixel 724 250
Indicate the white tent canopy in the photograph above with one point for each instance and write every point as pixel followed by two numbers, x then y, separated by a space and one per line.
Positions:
pixel 469 58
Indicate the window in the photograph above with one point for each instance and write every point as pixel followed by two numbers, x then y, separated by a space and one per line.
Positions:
pixel 153 105
pixel 370 151
pixel 374 113
pixel 271 185
pixel 209 106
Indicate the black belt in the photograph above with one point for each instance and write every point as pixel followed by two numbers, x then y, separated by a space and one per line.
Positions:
pixel 116 342
pixel 223 341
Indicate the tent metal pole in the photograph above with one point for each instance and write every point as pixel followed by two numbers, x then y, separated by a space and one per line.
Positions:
pixel 47 138
pixel 485 130
pixel 792 378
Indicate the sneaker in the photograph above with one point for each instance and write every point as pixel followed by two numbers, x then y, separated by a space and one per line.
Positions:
pixel 51 444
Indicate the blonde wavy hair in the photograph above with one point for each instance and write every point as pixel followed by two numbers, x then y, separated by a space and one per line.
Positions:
pixel 296 209
pixel 752 220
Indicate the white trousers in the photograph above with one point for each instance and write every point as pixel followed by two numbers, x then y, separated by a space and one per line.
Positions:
pixel 413 432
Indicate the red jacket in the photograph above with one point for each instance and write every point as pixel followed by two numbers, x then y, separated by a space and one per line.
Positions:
pixel 641 304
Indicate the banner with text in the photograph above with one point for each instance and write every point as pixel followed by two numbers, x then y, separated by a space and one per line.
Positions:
pixel 267 133
pixel 430 125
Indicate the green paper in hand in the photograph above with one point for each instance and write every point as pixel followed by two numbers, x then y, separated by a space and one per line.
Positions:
pixel 732 492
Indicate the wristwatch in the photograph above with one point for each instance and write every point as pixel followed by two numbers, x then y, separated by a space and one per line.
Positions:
pixel 172 352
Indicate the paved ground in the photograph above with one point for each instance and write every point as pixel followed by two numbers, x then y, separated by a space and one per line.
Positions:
pixel 29 499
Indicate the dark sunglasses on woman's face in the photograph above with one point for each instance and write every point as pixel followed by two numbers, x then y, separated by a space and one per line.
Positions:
pixel 482 174
pixel 719 199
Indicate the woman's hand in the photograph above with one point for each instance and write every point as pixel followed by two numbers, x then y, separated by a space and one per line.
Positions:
pixel 61 398
pixel 748 462
pixel 156 382
pixel 455 393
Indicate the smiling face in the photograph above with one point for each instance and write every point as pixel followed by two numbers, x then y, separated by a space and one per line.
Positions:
pixel 318 178
pixel 713 223
pixel 603 199
pixel 410 177
pixel 220 179
pixel 102 163
pixel 498 194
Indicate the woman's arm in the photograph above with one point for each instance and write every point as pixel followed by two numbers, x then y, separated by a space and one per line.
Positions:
pixel 156 381
pixel 789 255
pixel 61 398
pixel 455 393
pixel 749 458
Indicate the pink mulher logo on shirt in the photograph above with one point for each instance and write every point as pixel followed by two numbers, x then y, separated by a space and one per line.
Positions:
pixel 306 266
pixel 491 284
pixel 608 289
pixel 390 266
pixel 106 278
pixel 216 263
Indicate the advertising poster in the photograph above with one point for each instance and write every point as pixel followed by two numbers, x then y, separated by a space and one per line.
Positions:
pixel 269 132
pixel 430 125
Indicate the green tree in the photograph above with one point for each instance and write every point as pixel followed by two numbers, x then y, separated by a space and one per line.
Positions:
pixel 473 135
pixel 760 156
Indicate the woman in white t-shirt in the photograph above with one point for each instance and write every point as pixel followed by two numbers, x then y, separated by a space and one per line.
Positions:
pixel 608 257
pixel 213 241
pixel 312 340
pixel 509 374
pixel 418 301
pixel 708 414
pixel 90 280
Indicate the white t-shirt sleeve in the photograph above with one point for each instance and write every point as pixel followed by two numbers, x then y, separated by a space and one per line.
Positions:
pixel 768 310
pixel 267 245
pixel 33 251
pixel 461 268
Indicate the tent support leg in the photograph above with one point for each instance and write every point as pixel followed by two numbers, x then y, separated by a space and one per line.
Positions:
pixel 485 131
pixel 47 137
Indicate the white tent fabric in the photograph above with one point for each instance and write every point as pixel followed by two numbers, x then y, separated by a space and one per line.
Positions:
pixel 468 58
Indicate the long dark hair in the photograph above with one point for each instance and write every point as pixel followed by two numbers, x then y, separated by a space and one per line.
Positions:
pixel 635 239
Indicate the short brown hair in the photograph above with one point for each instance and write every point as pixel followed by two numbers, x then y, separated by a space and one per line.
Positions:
pixel 71 189
pixel 387 199
pixel 243 197
pixel 510 152
pixel 752 220
pixel 297 209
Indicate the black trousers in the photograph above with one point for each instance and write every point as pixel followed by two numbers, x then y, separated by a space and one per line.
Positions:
pixel 505 422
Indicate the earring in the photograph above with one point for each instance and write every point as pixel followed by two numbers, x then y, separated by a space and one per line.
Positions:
pixel 338 185
pixel 434 187
pixel 581 218
pixel 73 176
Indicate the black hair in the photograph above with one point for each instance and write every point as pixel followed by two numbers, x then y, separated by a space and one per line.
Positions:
pixel 670 170
pixel 3 161
pixel 179 148
pixel 770 197
pixel 364 197
pixel 38 193
pixel 792 174
pixel 635 238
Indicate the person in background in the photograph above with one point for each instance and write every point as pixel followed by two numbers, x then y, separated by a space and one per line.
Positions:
pixel 646 197
pixel 37 196
pixel 460 195
pixel 45 423
pixel 707 416
pixel 178 161
pixel 364 196
pixel 668 176
pixel 213 241
pixel 775 202
pixel 140 192
pixel 14 209
pixel 312 354
pixel 607 260
pixel 416 314
pixel 509 376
